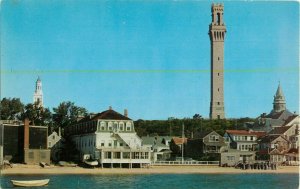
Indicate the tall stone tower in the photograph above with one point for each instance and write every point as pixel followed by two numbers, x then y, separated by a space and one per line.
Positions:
pixel 38 93
pixel 279 101
pixel 217 32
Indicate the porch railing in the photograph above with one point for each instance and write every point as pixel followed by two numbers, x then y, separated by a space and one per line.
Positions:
pixel 186 163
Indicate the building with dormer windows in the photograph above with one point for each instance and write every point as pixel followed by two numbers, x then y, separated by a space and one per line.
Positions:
pixel 110 138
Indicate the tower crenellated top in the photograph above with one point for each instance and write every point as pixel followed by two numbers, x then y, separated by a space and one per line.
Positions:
pixel 217 27
pixel 217 14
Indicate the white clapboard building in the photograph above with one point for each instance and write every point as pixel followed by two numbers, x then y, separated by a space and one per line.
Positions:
pixel 110 138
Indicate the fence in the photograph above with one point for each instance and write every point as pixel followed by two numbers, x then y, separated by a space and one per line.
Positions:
pixel 186 163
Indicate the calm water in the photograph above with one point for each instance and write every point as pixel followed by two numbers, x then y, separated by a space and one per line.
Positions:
pixel 156 181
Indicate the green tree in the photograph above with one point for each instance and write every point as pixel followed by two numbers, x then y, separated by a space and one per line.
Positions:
pixel 11 109
pixel 67 113
pixel 37 114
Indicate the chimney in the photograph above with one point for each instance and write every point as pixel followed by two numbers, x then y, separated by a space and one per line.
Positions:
pixel 26 133
pixel 125 112
pixel 110 108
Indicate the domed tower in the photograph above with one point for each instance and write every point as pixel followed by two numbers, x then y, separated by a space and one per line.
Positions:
pixel 279 100
pixel 38 93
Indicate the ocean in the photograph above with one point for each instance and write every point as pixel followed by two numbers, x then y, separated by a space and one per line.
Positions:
pixel 165 181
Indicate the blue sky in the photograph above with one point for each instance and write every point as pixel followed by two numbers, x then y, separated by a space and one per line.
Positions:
pixel 151 57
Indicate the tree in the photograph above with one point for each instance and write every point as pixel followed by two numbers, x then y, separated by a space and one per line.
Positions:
pixel 197 116
pixel 11 109
pixel 67 113
pixel 37 114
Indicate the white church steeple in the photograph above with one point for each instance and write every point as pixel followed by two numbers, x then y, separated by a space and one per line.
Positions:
pixel 38 93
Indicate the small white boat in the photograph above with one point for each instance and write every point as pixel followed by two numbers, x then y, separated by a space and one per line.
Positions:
pixel 91 163
pixel 29 183
pixel 66 164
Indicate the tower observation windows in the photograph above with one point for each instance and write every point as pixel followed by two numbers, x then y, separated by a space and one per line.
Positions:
pixel 218 18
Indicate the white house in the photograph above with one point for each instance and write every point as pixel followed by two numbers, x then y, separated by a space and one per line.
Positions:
pixel 110 138
pixel 159 146
pixel 53 138
pixel 56 144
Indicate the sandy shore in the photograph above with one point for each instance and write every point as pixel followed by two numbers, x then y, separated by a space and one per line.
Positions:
pixel 34 169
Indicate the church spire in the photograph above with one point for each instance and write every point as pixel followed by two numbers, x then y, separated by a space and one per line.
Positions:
pixel 279 100
pixel 38 93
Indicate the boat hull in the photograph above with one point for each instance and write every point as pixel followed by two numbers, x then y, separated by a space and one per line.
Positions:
pixel 30 183
pixel 91 163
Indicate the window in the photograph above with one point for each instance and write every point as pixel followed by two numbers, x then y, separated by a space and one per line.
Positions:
pixel 121 144
pixel 218 89
pixel 121 126
pixel 49 144
pixel 251 138
pixel 117 155
pixel 230 158
pixel 218 18
pixel 107 155
pixel 53 137
pixel 102 143
pixel 214 138
pixel 115 126
pixel 135 155
pixel 109 126
pixel 128 125
pixel 126 155
pixel 218 74
pixel 218 102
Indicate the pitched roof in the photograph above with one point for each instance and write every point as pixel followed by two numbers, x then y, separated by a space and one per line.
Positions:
pixel 179 140
pixel 268 138
pixel 279 115
pixel 289 119
pixel 245 132
pixel 155 140
pixel 201 134
pixel 108 114
pixel 279 130
pixel 276 152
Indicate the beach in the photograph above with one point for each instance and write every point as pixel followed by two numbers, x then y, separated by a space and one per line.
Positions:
pixel 21 169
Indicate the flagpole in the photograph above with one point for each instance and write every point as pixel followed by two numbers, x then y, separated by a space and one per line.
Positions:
pixel 182 143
